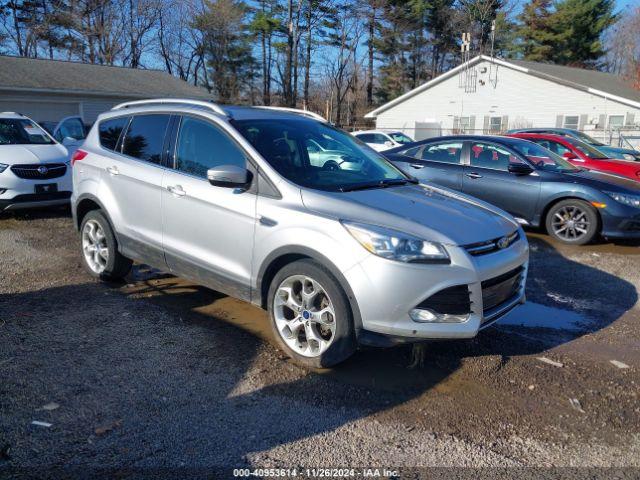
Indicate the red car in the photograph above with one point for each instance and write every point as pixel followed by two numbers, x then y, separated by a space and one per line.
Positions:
pixel 582 155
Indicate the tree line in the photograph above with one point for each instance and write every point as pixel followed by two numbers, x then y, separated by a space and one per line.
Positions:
pixel 336 57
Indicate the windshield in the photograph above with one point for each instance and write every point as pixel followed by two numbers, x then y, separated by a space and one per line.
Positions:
pixel 542 158
pixel 587 150
pixel 17 131
pixel 290 146
pixel 587 139
pixel 400 138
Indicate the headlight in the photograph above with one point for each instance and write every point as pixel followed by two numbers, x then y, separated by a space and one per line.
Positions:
pixel 3 167
pixel 396 245
pixel 625 199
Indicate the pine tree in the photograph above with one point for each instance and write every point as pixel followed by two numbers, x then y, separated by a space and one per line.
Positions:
pixel 537 41
pixel 578 26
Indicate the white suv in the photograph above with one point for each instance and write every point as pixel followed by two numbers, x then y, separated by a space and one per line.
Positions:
pixel 381 141
pixel 231 198
pixel 34 168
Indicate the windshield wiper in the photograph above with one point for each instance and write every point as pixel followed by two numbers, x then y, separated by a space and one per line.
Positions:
pixel 378 184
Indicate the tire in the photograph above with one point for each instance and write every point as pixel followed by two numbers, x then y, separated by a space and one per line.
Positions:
pixel 573 222
pixel 96 230
pixel 295 322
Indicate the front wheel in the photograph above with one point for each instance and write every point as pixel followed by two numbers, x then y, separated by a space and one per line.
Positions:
pixel 573 221
pixel 310 315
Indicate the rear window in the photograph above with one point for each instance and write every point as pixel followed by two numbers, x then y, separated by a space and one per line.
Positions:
pixel 110 130
pixel 145 137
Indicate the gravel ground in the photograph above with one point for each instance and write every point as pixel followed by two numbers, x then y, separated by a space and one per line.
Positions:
pixel 158 375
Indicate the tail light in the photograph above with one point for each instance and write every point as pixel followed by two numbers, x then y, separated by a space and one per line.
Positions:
pixel 77 156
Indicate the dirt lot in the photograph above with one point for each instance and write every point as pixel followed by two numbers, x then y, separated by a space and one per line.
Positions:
pixel 160 375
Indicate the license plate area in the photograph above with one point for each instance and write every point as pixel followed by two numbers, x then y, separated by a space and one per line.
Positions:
pixel 46 188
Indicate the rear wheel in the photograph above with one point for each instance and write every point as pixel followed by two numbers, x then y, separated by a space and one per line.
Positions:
pixel 310 315
pixel 573 221
pixel 100 249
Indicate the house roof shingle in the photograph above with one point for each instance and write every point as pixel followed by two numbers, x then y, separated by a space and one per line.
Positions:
pixel 602 81
pixel 33 74
pixel 599 83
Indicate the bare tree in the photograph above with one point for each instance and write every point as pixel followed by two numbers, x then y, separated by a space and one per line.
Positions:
pixel 623 48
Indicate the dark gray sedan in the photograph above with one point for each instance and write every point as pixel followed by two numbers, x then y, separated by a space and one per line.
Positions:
pixel 536 186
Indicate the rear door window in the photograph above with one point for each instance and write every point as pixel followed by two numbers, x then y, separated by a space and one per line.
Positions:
pixel 145 137
pixel 109 132
pixel 449 152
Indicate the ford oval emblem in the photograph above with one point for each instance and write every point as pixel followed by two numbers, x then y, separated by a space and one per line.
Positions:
pixel 503 243
pixel 43 170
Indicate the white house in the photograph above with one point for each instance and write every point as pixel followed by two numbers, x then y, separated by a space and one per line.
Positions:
pixel 488 95
pixel 49 90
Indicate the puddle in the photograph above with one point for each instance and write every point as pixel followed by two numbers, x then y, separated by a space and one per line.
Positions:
pixel 535 315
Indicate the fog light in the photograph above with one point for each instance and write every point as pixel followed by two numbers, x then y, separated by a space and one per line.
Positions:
pixel 429 316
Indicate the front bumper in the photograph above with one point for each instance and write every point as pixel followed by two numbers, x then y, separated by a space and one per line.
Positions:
pixel 386 291
pixel 620 221
pixel 20 193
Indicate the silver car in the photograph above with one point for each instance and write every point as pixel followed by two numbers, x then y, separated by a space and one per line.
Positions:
pixel 228 198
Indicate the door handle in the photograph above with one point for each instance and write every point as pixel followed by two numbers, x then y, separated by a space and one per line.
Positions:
pixel 113 170
pixel 417 166
pixel 267 222
pixel 176 190
pixel 473 175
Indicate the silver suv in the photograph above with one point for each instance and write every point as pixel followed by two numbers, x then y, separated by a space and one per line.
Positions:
pixel 228 198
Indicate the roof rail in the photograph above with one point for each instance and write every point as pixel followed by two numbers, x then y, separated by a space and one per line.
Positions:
pixel 173 101
pixel 306 113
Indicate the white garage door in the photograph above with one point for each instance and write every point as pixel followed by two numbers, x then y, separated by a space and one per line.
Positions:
pixel 42 111
pixel 91 110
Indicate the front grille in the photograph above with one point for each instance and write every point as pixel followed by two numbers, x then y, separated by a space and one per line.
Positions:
pixel 452 301
pixel 500 289
pixel 39 172
pixel 490 246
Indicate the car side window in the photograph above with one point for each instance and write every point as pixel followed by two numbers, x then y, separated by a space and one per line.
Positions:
pixel 411 152
pixel 202 146
pixel 109 132
pixel 448 152
pixel 488 155
pixel 366 138
pixel 145 137
pixel 380 139
pixel 72 128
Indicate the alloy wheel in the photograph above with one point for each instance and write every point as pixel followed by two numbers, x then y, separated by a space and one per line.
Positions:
pixel 304 315
pixel 94 246
pixel 570 223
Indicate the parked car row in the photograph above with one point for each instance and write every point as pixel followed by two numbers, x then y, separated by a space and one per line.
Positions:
pixel 342 245
pixel 537 186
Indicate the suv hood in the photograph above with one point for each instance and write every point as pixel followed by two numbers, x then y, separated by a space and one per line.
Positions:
pixel 428 212
pixel 19 154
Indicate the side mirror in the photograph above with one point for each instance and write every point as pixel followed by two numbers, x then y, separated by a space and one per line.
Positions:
pixel 569 156
pixel 520 169
pixel 229 176
pixel 69 142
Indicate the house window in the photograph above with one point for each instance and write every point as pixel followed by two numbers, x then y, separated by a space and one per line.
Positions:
pixel 495 125
pixel 616 122
pixel 571 121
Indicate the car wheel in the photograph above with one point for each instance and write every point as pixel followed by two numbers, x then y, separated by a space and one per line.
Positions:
pixel 310 315
pixel 573 221
pixel 100 249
